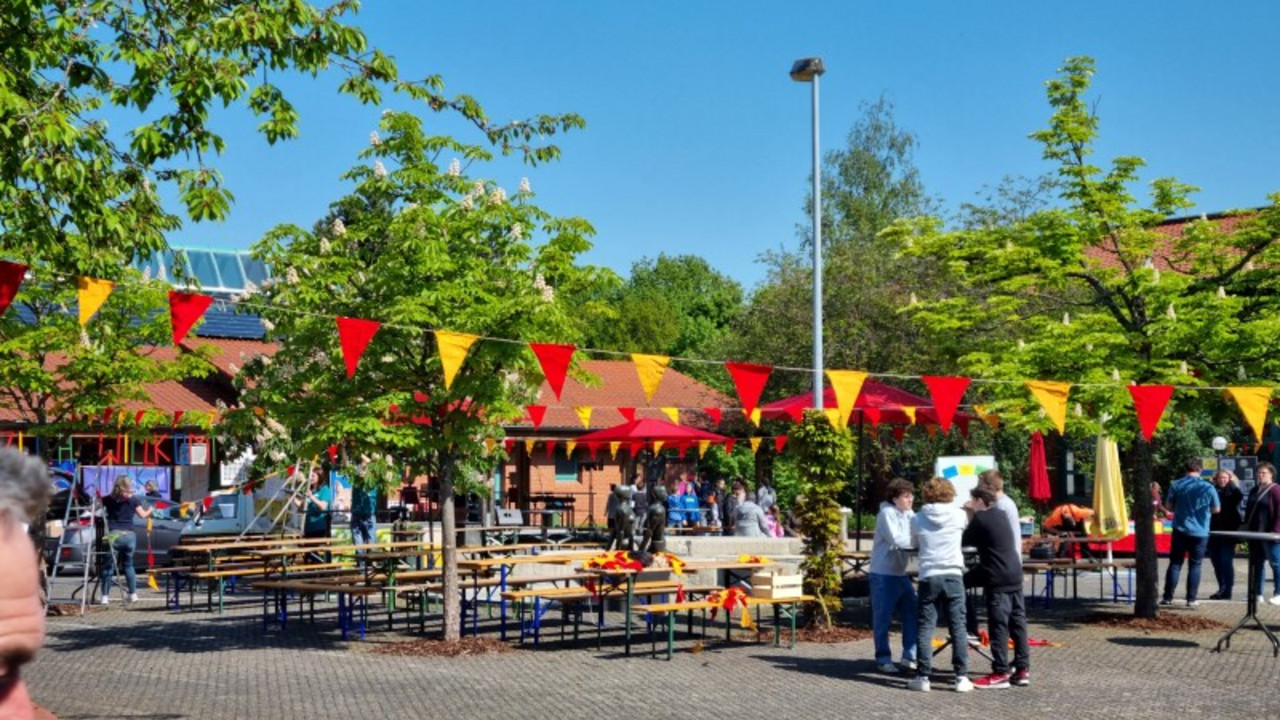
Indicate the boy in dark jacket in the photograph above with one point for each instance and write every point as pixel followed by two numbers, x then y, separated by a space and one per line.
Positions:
pixel 999 574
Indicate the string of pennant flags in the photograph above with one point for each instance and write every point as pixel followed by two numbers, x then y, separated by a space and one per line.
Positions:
pixel 749 379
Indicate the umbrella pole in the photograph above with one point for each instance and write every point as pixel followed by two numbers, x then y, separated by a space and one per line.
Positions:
pixel 857 492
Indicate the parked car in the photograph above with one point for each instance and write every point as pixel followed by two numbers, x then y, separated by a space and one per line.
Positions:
pixel 80 533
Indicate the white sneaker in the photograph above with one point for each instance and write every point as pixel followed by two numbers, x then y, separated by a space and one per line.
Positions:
pixel 1275 600
pixel 133 597
pixel 908 664
pixel 106 600
pixel 963 684
pixel 887 668
pixel 919 683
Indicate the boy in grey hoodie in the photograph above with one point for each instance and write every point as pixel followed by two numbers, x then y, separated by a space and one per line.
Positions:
pixel 892 591
pixel 936 530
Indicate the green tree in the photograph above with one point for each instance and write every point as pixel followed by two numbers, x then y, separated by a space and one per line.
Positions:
pixel 1092 293
pixel 420 247
pixel 866 186
pixel 78 197
pixel 677 306
pixel 822 456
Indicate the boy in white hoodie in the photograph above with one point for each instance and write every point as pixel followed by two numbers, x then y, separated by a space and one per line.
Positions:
pixel 936 530
pixel 892 592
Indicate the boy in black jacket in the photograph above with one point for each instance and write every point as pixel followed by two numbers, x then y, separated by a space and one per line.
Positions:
pixel 999 574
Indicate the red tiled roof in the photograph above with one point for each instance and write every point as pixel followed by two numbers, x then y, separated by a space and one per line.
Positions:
pixel 619 386
pixel 1162 256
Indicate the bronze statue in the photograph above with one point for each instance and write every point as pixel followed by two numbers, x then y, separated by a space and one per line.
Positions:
pixel 655 523
pixel 624 520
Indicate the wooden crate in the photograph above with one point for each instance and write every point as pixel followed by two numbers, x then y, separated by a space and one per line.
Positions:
pixel 776 586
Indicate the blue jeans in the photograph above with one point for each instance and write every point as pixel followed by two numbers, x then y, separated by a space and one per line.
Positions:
pixel 941 595
pixel 1222 553
pixel 1270 553
pixel 1183 546
pixel 363 532
pixel 890 595
pixel 122 548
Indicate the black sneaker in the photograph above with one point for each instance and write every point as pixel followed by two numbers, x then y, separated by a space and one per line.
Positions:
pixel 1166 601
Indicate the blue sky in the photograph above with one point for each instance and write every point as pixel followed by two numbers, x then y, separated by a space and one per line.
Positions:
pixel 698 142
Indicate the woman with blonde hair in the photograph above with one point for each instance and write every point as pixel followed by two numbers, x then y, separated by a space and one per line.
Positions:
pixel 120 508
pixel 936 532
pixel 1222 550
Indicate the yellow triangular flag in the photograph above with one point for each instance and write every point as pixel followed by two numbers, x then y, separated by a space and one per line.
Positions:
pixel 91 293
pixel 1052 396
pixel 489 444
pixel 702 447
pixel 1253 403
pixel 833 417
pixel 755 444
pixel 453 351
pixel 911 414
pixel 847 384
pixel 754 417
pixel 673 414
pixel 569 446
pixel 528 446
pixel 657 446
pixel 613 449
pixel 650 368
pixel 584 414
pixel 991 419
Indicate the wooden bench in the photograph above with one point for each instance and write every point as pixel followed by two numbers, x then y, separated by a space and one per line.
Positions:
pixel 350 597
pixel 784 607
pixel 572 598
pixel 220 577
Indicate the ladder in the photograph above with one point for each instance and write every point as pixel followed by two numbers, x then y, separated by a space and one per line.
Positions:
pixel 76 509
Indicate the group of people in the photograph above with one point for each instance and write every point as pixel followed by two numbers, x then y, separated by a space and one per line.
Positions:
pixel 1201 508
pixel 988 522
pixel 736 511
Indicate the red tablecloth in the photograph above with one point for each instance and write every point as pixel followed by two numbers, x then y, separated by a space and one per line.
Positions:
pixel 1125 545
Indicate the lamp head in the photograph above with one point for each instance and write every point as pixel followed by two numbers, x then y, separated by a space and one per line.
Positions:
pixel 806 69
pixel 1219 443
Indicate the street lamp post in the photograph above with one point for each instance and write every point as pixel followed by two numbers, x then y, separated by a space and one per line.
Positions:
pixel 808 70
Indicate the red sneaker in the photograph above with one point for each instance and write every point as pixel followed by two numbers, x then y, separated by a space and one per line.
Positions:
pixel 1021 678
pixel 993 681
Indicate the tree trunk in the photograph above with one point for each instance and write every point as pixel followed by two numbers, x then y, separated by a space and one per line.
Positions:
pixel 1145 603
pixel 449 543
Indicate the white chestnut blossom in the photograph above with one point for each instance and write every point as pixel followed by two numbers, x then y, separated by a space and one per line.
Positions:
pixel 478 188
pixel 517 232
pixel 268 325
pixel 324 246
pixel 339 228
pixel 379 170
pixel 455 168
pixel 498 196
pixel 525 187
pixel 468 202
pixel 291 276
pixel 374 140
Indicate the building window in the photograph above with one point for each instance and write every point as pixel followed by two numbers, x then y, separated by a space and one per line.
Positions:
pixel 566 467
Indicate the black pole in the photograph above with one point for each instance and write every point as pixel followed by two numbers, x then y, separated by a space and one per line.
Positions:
pixel 857 492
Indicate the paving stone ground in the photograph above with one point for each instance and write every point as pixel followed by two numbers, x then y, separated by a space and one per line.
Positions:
pixel 146 662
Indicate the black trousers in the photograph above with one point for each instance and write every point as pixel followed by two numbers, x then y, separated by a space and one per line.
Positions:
pixel 1007 617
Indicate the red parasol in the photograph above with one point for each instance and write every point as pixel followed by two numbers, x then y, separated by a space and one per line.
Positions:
pixel 1038 487
pixel 876 398
pixel 649 430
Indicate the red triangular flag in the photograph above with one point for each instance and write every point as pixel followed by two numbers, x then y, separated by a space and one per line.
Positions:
pixel 536 413
pixel 354 335
pixel 554 360
pixel 964 427
pixel 749 379
pixel 683 449
pixel 106 415
pixel 508 446
pixel 177 417
pixel 946 392
pixel 420 397
pixel 635 447
pixel 137 417
pixel 593 447
pixel 779 443
pixel 796 413
pixel 899 432
pixel 873 415
pixel 715 415
pixel 333 453
pixel 628 413
pixel 184 310
pixel 11 275
pixel 728 446
pixel 1150 401
pixel 551 448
